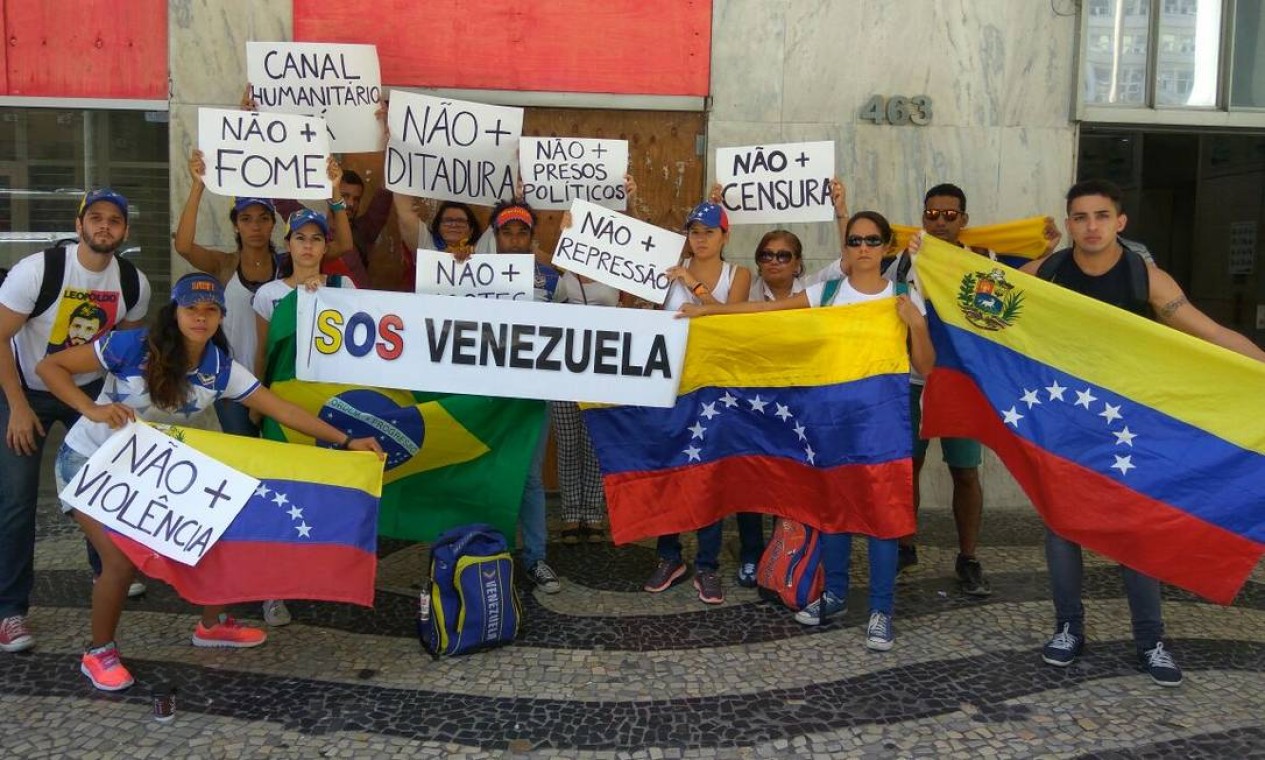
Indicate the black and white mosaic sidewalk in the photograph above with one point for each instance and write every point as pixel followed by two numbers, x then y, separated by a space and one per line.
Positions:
pixel 603 670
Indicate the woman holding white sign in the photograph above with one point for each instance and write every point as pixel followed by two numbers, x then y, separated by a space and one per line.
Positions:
pixel 867 237
pixel 169 372
pixel 242 271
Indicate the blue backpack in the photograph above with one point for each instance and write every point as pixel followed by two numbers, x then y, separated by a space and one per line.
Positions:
pixel 471 603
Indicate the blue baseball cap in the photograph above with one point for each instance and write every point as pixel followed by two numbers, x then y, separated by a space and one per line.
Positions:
pixel 103 194
pixel 241 204
pixel 197 288
pixel 306 216
pixel 709 215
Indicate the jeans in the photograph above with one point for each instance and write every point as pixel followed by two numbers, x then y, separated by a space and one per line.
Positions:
pixel 708 557
pixel 20 479
pixel 531 512
pixel 750 537
pixel 235 419
pixel 1063 559
pixel 836 556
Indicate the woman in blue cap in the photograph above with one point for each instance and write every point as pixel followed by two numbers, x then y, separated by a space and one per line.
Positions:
pixel 170 372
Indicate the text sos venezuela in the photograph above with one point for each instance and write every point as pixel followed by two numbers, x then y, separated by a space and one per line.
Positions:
pixel 550 348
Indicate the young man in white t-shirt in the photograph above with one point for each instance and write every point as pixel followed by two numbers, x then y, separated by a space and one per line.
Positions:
pixel 92 293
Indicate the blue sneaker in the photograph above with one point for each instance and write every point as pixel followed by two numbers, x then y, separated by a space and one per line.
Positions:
pixel 821 610
pixel 746 575
pixel 1159 664
pixel 878 634
pixel 1062 648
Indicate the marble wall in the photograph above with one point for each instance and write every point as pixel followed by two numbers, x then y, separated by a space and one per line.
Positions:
pixel 1000 74
pixel 207 60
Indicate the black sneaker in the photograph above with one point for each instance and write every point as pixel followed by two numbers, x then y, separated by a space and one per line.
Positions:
pixel 1062 648
pixel 1158 662
pixel 971 577
pixel 546 579
pixel 907 558
pixel 707 583
pixel 667 574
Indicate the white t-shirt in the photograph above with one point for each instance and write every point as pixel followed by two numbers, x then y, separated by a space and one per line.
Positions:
pixel 678 295
pixel 846 294
pixel 571 290
pixel 760 289
pixel 123 353
pixel 90 305
pixel 270 294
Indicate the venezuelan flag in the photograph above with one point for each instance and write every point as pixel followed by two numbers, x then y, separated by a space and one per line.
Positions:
pixel 309 531
pixel 1015 243
pixel 803 414
pixel 1131 438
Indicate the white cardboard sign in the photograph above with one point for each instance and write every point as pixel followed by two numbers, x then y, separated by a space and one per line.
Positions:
pixel 510 276
pixel 452 150
pixel 559 170
pixel 516 349
pixel 156 490
pixel 341 83
pixel 267 155
pixel 769 184
pixel 619 251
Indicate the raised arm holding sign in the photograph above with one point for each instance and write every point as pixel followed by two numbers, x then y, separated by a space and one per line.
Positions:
pixel 270 155
pixel 452 149
pixel 777 183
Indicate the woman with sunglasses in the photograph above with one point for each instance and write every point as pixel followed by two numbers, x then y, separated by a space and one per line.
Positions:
pixel 867 237
pixel 779 260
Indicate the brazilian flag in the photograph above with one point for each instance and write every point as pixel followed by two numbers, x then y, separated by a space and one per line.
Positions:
pixel 451 459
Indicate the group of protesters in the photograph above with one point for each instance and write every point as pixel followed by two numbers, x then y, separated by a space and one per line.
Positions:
pixel 204 349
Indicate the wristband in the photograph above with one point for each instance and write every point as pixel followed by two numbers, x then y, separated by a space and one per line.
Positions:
pixel 338 205
pixel 346 442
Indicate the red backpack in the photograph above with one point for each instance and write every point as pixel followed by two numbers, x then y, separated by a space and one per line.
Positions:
pixel 790 570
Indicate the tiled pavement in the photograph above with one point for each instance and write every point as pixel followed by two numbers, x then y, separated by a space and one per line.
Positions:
pixel 603 670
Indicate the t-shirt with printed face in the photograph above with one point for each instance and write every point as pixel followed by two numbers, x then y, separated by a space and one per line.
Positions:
pixel 89 305
pixel 123 355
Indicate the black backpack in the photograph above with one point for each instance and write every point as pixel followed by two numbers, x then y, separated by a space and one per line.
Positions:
pixel 1139 277
pixel 55 275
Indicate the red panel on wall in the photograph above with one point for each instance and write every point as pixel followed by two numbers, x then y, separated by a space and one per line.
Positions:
pixel 654 47
pixel 86 48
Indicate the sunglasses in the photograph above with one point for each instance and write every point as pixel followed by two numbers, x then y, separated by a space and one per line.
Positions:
pixel 768 256
pixel 950 215
pixel 873 241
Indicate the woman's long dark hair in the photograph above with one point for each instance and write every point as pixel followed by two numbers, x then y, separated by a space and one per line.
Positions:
pixel 167 367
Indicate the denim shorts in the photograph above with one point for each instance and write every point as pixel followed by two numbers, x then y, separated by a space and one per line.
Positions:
pixel 68 464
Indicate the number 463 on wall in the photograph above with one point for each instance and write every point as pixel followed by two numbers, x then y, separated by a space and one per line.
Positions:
pixel 898 110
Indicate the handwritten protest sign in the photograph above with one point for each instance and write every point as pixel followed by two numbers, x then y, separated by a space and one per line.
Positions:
pixel 519 349
pixel 341 83
pixel 452 150
pixel 619 251
pixel 263 154
pixel 777 183
pixel 159 492
pixel 558 170
pixel 510 276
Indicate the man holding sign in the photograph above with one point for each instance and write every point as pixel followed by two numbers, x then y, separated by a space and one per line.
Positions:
pixel 148 378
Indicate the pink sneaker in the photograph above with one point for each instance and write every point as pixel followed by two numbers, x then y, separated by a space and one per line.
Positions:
pixel 228 633
pixel 15 634
pixel 103 667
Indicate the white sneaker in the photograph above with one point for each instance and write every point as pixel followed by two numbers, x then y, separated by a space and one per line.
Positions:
pixel 136 589
pixel 275 613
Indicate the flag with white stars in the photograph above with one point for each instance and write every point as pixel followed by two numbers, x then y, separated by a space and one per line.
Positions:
pixel 1131 438
pixel 803 414
pixel 309 530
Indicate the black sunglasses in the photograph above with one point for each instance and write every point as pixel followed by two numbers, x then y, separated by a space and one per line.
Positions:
pixel 767 256
pixel 950 215
pixel 873 241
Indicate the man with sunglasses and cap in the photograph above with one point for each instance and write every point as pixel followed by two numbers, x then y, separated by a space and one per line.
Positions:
pixel 944 216
pixel 90 273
